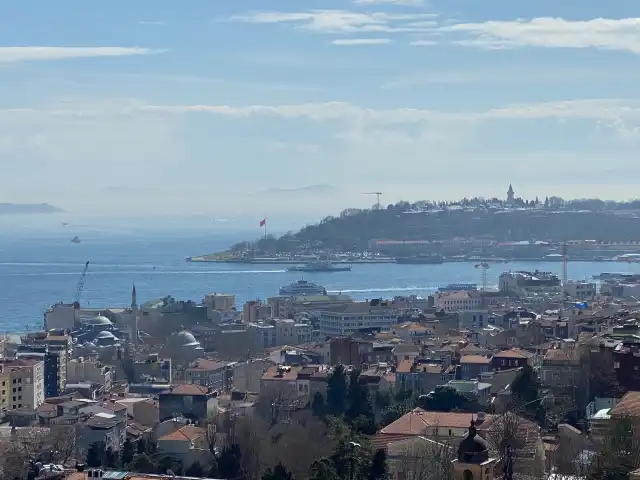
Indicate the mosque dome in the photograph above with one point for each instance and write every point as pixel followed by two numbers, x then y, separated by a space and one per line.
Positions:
pixel 99 320
pixel 183 339
pixel 106 335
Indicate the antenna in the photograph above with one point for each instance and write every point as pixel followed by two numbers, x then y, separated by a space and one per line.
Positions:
pixel 377 194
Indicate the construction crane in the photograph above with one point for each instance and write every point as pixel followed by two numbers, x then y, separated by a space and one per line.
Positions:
pixel 377 194
pixel 80 287
pixel 484 266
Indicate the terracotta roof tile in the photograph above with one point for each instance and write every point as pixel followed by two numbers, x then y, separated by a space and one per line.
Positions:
pixel 513 353
pixel 188 433
pixel 479 359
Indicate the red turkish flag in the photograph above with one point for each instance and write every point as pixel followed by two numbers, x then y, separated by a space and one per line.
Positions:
pixel 263 222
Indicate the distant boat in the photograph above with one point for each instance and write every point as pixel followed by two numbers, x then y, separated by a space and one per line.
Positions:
pixel 432 259
pixel 75 239
pixel 323 266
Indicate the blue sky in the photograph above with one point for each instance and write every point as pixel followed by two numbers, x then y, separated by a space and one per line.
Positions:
pixel 229 107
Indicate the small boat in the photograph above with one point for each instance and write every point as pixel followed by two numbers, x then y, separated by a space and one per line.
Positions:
pixel 323 266
pixel 75 239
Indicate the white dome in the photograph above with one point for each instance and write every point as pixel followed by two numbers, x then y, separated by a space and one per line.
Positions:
pixel 99 320
pixel 184 339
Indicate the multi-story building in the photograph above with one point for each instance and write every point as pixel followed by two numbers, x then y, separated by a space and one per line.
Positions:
pixel 189 400
pixel 524 283
pixel 560 367
pixel 580 290
pixel 220 301
pixel 26 389
pixel 55 365
pixel 208 373
pixel 473 366
pixel 458 301
pixel 290 332
pixel 255 310
pixel 423 375
pixel 5 385
pixel 80 370
pixel 357 316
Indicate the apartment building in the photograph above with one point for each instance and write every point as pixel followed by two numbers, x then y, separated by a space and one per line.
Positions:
pixel 351 318
pixel 5 383
pixel 26 387
pixel 208 373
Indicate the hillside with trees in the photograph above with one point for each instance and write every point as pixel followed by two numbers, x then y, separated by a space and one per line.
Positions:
pixel 551 219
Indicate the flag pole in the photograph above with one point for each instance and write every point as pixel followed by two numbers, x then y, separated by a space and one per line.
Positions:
pixel 265 228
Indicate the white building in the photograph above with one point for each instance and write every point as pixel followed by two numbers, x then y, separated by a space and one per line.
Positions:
pixel 357 316
pixel 220 301
pixel 458 301
pixel 580 290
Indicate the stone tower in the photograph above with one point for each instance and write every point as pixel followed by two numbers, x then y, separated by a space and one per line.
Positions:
pixel 473 462
pixel 135 314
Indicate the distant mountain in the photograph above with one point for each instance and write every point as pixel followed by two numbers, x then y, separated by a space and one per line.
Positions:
pixel 308 189
pixel 27 208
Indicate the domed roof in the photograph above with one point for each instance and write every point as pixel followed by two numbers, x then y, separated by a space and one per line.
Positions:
pixel 99 320
pixel 105 334
pixel 473 449
pixel 184 339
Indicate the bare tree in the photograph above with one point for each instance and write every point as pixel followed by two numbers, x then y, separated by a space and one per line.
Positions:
pixel 278 400
pixel 515 442
pixel 419 458
pixel 23 449
pixel 63 441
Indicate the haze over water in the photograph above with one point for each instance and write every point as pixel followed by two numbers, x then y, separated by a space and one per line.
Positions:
pixel 38 269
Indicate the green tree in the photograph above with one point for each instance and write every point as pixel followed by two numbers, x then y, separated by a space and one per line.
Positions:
pixel 358 402
pixel 379 469
pixel 447 399
pixel 229 462
pixel 279 472
pixel 323 469
pixel 166 464
pixel 317 404
pixel 142 463
pixel 95 454
pixel 336 391
pixel 195 470
pixel 128 452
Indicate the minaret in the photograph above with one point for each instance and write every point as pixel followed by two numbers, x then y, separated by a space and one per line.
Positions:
pixel 510 194
pixel 134 312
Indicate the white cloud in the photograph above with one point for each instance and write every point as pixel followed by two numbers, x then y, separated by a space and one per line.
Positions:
pixel 343 21
pixel 603 33
pixel 22 54
pixel 361 41
pixel 406 3
pixel 154 23
pixel 592 109
pixel 423 43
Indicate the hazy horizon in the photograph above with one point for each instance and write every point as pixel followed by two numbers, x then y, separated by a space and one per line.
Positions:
pixel 234 108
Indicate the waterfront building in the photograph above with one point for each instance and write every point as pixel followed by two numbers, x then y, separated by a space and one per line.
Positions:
pixel 357 316
pixel 457 301
pixel 525 283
